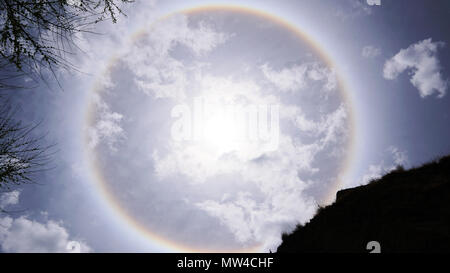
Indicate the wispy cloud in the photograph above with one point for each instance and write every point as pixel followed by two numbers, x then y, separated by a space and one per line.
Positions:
pixel 370 52
pixel 374 2
pixel 107 126
pixel 395 158
pixel 156 71
pixel 297 77
pixel 9 198
pixel 355 8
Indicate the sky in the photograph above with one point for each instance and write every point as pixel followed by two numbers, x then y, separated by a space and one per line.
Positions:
pixel 351 89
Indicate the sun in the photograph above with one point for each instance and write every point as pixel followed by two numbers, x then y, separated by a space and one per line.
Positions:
pixel 220 133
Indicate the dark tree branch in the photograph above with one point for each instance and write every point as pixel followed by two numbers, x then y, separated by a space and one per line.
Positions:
pixel 37 35
pixel 21 153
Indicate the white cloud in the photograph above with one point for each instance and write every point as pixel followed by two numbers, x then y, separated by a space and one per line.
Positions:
pixel 396 157
pixel 421 59
pixel 277 204
pixel 374 172
pixel 9 198
pixel 279 201
pixel 107 126
pixel 374 2
pixel 202 39
pixel 370 52
pixel 199 163
pixel 353 8
pixel 24 235
pixel 334 125
pixel 156 71
pixel 328 129
pixel 297 77
pixel 400 157
pixel 253 221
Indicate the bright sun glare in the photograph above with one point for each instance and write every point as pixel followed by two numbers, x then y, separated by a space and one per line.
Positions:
pixel 220 133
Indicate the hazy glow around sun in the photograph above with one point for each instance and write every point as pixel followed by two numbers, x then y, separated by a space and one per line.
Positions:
pixel 212 137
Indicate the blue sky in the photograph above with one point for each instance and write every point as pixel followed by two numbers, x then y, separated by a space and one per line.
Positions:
pixel 392 57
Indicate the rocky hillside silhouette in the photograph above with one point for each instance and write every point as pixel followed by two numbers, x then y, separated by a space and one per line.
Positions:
pixel 405 211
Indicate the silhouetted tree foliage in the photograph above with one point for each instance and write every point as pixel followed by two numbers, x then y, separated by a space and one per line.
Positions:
pixel 35 35
pixel 21 152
